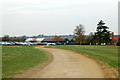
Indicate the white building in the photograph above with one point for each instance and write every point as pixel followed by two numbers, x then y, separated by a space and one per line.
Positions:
pixel 34 40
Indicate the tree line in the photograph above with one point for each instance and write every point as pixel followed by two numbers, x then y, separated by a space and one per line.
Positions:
pixel 102 35
pixel 13 39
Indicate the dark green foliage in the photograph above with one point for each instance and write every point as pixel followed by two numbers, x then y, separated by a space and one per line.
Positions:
pixel 118 42
pixel 103 34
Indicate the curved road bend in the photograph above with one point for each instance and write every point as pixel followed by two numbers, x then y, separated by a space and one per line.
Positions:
pixel 67 64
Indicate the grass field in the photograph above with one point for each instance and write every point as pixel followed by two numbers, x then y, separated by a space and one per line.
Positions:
pixel 107 54
pixel 18 59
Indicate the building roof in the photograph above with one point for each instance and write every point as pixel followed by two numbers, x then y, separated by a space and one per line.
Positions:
pixel 50 39
pixel 29 39
pixel 116 38
pixel 34 39
pixel 39 39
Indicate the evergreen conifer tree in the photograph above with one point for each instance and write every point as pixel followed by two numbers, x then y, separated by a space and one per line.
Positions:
pixel 103 34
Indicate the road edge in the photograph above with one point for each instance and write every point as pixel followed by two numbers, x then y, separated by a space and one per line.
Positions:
pixel 107 71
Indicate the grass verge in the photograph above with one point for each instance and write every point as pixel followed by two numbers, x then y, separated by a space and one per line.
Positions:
pixel 18 59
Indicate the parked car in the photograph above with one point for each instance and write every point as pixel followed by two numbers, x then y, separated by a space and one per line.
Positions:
pixel 6 43
pixel 58 43
pixel 29 43
pixel 23 43
pixel 17 43
pixel 12 43
pixel 34 43
pixel 43 43
pixel 38 43
pixel 103 44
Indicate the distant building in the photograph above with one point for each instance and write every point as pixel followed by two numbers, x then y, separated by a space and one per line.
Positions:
pixel 114 38
pixel 62 41
pixel 38 40
pixel 50 40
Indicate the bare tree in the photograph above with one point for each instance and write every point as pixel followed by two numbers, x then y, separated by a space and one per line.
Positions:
pixel 6 38
pixel 79 34
pixel 22 39
pixel 15 39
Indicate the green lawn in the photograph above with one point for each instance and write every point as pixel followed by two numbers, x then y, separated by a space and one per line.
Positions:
pixel 107 54
pixel 18 59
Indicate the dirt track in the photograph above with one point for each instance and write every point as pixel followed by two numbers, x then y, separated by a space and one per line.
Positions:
pixel 67 64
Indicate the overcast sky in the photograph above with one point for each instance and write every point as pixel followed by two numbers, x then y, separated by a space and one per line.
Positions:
pixel 33 17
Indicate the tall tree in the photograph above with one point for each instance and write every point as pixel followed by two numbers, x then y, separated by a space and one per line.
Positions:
pixel 118 43
pixel 6 38
pixel 103 34
pixel 79 34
